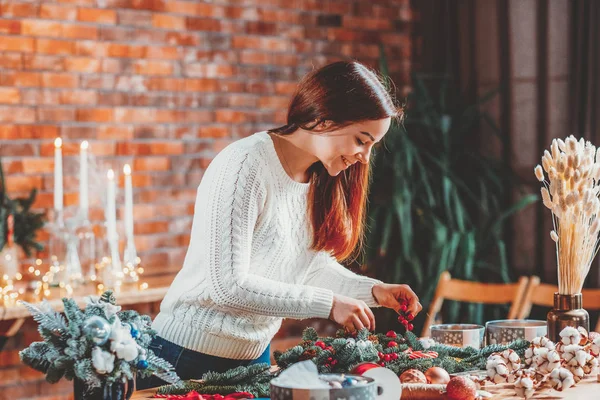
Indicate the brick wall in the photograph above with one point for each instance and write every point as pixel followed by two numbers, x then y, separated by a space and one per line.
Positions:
pixel 162 85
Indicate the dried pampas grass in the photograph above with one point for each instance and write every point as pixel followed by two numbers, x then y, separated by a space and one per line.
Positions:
pixel 571 193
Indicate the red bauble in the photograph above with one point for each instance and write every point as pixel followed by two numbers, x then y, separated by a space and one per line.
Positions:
pixel 413 376
pixel 437 375
pixel 364 367
pixel 461 388
pixel 392 344
pixel 391 334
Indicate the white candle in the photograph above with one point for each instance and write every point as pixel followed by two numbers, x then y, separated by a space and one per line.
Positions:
pixel 111 207
pixel 128 202
pixel 58 187
pixel 83 181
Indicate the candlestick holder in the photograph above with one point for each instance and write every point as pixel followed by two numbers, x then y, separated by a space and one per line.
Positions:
pixel 131 261
pixel 87 250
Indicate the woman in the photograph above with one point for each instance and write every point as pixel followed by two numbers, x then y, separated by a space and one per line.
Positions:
pixel 274 213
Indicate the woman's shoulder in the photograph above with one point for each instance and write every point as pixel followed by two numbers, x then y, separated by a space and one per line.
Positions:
pixel 251 152
pixel 250 145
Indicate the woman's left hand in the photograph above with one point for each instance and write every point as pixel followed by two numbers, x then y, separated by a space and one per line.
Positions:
pixel 392 296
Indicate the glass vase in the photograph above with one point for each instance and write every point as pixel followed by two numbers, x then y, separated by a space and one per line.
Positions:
pixel 568 311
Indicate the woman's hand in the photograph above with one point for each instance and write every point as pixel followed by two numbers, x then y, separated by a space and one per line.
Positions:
pixel 392 296
pixel 352 314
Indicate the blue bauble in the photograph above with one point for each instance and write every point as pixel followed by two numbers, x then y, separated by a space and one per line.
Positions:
pixel 142 364
pixel 97 329
pixel 349 382
pixel 134 332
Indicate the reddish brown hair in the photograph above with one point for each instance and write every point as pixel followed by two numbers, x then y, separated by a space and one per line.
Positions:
pixel 343 92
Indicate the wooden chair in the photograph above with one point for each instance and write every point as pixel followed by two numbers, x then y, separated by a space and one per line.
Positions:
pixel 475 292
pixel 542 294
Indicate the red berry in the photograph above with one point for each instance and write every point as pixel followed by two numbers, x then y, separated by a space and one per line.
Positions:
pixel 380 355
pixel 382 364
pixel 400 318
pixel 394 356
pixel 329 359
pixel 387 358
pixel 320 344
pixel 391 334
pixel 330 348
pixel 403 308
pixel 334 362
pixel 392 344
pixel 405 323
pixel 410 327
pixel 410 317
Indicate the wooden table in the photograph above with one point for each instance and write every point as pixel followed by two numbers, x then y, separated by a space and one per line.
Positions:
pixel 587 389
pixel 13 316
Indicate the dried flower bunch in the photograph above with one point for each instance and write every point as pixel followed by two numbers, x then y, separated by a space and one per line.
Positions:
pixel 571 193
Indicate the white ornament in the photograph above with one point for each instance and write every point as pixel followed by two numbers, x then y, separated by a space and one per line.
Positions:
pixel 103 361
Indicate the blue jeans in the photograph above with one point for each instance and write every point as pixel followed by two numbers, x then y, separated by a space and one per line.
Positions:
pixel 191 364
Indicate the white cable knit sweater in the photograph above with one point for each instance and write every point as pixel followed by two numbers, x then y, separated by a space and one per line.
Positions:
pixel 249 262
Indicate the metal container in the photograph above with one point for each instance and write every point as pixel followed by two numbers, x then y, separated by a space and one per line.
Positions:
pixel 366 389
pixel 459 335
pixel 567 311
pixel 505 331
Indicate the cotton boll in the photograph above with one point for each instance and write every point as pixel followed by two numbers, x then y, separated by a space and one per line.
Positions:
pixel 103 361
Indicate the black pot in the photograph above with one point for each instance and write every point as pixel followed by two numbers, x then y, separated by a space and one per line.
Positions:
pixel 116 391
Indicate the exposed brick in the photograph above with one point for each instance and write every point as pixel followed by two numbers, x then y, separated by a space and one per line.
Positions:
pixel 82 64
pixel 43 62
pixel 54 11
pixel 11 60
pixel 59 80
pixel 17 43
pixel 97 15
pixel 13 9
pixel 95 115
pixel 51 46
pixel 10 26
pixel 9 96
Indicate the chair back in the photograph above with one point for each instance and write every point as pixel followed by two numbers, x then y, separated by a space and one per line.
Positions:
pixel 475 292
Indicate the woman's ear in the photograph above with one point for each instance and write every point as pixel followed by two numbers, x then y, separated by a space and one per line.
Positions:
pixel 323 126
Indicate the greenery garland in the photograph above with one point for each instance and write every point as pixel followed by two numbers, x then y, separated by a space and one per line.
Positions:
pixel 340 354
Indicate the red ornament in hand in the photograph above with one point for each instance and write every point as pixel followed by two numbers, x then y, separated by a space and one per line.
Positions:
pixel 461 388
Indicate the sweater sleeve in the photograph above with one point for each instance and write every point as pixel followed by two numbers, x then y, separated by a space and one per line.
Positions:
pixel 327 272
pixel 236 192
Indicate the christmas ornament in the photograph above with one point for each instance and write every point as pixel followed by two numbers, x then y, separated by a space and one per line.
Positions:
pixel 97 329
pixel 461 388
pixel 363 367
pixel 437 375
pixel 413 376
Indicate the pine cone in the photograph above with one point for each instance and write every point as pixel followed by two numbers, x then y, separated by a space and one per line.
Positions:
pixel 374 339
pixel 308 354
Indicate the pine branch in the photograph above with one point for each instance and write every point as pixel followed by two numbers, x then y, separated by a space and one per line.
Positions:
pixel 46 317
